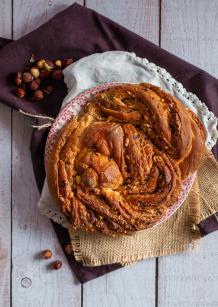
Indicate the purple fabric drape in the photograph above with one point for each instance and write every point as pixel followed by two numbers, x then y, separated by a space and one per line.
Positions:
pixel 81 32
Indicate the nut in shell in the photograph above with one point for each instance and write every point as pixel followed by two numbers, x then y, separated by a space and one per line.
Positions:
pixel 27 77
pixel 57 74
pixel 58 63
pixel 40 64
pixel 34 85
pixel 68 249
pixel 20 92
pixel 18 78
pixel 44 73
pixel 67 62
pixel 35 72
pixel 38 95
pixel 48 65
pixel 46 254
pixel 57 264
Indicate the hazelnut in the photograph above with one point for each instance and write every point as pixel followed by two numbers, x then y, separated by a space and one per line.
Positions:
pixel 35 72
pixel 57 74
pixel 67 62
pixel 58 63
pixel 40 64
pixel 27 77
pixel 48 65
pixel 68 249
pixel 49 89
pixel 46 254
pixel 38 95
pixel 20 92
pixel 57 264
pixel 34 85
pixel 18 78
pixel 44 73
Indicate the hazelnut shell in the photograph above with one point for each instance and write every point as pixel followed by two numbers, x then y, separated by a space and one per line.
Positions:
pixel 58 63
pixel 67 62
pixel 34 85
pixel 27 77
pixel 38 95
pixel 35 72
pixel 46 254
pixel 40 64
pixel 57 264
pixel 20 92
pixel 57 74
pixel 18 78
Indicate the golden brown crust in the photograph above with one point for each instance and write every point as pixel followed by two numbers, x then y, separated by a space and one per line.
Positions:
pixel 118 167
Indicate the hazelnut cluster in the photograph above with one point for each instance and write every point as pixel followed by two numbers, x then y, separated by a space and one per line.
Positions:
pixel 34 82
pixel 57 264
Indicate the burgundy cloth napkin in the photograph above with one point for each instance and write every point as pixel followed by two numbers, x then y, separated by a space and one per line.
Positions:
pixel 81 32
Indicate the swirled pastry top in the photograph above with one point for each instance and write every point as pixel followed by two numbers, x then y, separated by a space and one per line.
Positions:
pixel 119 166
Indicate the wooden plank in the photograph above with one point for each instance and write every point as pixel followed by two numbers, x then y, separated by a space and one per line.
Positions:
pixel 5 18
pixel 189 29
pixel 5 204
pixel 134 286
pixel 30 14
pixel 190 279
pixel 5 174
pixel 33 283
pixel 131 286
pixel 139 16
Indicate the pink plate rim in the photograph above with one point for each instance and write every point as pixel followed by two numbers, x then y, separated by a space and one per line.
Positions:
pixel 72 108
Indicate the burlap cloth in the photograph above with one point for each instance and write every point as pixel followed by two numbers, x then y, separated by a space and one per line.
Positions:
pixel 178 234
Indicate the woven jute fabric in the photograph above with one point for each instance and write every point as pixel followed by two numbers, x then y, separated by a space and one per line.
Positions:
pixel 178 234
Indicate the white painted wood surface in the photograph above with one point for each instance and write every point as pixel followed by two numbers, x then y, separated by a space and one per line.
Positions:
pixel 31 232
pixel 141 17
pixel 192 279
pixel 5 174
pixel 5 204
pixel 188 29
pixel 127 287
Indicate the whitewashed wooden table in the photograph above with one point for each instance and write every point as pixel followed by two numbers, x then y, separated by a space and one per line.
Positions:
pixel 187 28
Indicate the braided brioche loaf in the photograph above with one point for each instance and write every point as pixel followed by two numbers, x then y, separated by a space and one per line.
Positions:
pixel 119 166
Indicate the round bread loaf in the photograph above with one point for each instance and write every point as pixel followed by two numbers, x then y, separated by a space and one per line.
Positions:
pixel 119 165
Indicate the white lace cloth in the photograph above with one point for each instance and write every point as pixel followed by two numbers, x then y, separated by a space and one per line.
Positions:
pixel 120 66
